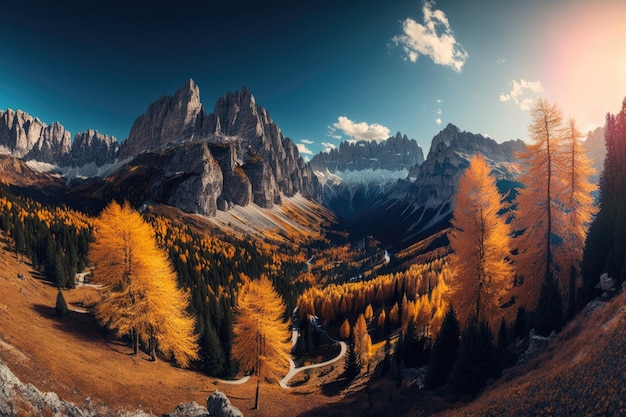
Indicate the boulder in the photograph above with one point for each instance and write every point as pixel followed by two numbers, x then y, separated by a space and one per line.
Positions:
pixel 219 405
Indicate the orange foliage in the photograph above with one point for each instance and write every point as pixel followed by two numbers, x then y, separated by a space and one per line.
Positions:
pixel 140 294
pixel 482 272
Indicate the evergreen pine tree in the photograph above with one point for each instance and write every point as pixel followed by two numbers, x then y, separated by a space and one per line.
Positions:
pixel 477 360
pixel 414 348
pixel 520 322
pixel 605 246
pixel 502 334
pixel 549 308
pixel 352 365
pixel 61 305
pixel 211 353
pixel 445 350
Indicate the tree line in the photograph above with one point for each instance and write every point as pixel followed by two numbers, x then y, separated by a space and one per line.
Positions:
pixel 55 239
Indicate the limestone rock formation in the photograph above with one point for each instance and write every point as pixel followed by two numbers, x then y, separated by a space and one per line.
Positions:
pixel 191 409
pixel 434 182
pixel 17 398
pixel 194 177
pixel 29 138
pixel 219 405
pixel 257 162
pixel 395 154
pixel 169 120
pixel 92 146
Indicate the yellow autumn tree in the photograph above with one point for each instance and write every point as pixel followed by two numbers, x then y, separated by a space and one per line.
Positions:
pixel 578 209
pixel 261 342
pixel 140 296
pixel 538 201
pixel 362 339
pixel 480 247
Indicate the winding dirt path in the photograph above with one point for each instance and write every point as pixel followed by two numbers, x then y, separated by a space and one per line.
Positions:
pixel 293 370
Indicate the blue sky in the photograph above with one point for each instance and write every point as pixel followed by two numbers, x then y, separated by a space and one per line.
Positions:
pixel 326 71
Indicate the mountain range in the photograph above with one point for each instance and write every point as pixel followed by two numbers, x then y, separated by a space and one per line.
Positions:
pixel 178 154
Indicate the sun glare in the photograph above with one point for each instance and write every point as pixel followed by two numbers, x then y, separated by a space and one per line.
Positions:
pixel 586 71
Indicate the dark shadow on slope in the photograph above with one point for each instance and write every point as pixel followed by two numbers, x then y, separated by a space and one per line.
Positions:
pixel 379 398
pixel 79 325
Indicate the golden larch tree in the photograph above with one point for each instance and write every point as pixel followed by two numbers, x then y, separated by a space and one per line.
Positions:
pixel 538 201
pixel 578 208
pixel 140 295
pixel 362 339
pixel 479 240
pixel 261 342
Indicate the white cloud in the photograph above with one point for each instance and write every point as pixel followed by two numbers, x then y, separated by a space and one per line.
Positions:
pixel 332 133
pixel 439 101
pixel 438 120
pixel 520 92
pixel 501 60
pixel 434 38
pixel 361 130
pixel 328 146
pixel 307 141
pixel 303 149
pixel 438 111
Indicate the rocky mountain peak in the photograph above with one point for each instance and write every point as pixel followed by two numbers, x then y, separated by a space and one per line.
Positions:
pixel 92 146
pixel 29 138
pixel 170 119
pixel 397 153
pixel 256 158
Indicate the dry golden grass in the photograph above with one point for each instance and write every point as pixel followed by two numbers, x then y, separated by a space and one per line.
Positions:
pixel 70 357
pixel 581 373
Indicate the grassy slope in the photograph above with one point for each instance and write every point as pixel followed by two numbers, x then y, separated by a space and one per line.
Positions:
pixel 581 373
pixel 69 356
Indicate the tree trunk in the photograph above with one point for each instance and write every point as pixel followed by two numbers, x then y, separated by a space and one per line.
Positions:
pixel 153 357
pixel 135 336
pixel 256 396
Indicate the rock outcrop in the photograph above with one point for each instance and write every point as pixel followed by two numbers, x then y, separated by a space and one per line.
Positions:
pixel 19 399
pixel 192 179
pixel 92 147
pixel 219 405
pixel 29 138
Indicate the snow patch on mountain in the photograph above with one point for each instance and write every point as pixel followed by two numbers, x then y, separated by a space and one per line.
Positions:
pixel 360 177
pixel 90 170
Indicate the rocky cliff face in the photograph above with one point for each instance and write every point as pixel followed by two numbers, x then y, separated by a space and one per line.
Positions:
pixel 394 154
pixel 92 147
pixel 434 182
pixel 270 159
pixel 29 138
pixel 169 120
pixel 257 163
pixel 186 176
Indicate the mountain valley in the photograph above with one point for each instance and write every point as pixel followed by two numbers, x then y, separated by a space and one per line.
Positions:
pixel 360 231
